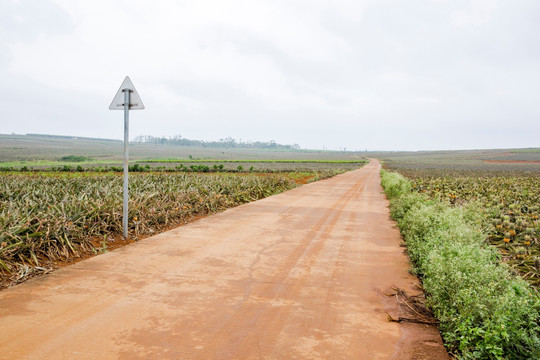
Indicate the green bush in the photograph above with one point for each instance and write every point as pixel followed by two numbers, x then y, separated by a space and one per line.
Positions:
pixel 394 184
pixel 485 311
pixel 136 168
pixel 74 158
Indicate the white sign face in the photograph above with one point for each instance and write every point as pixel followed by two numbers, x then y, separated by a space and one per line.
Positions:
pixel 135 102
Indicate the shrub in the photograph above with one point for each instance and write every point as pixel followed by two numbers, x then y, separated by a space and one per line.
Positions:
pixel 395 185
pixel 74 158
pixel 136 168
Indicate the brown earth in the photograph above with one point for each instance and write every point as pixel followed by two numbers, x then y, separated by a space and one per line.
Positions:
pixel 300 275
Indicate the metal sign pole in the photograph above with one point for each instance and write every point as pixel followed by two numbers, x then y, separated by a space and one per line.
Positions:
pixel 127 98
pixel 126 157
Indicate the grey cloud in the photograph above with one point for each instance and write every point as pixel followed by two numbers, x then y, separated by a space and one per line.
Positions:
pixel 397 75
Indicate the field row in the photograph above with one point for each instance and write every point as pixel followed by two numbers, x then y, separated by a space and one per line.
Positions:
pixel 190 166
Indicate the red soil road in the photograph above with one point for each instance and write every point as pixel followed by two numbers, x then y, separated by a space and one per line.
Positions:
pixel 298 275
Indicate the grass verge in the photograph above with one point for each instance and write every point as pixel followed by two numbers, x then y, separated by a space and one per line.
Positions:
pixel 485 311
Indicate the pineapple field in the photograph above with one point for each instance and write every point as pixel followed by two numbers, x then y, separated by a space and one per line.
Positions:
pixel 472 241
pixel 51 217
pixel 470 223
pixel 511 204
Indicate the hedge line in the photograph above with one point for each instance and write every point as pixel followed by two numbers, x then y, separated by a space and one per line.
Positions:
pixel 485 311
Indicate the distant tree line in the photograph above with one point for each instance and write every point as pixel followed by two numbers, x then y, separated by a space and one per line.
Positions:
pixel 222 143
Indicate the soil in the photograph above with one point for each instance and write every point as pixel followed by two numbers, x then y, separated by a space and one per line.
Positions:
pixel 117 241
pixel 301 275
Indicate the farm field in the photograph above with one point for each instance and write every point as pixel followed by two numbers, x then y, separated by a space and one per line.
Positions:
pixel 519 161
pixel 66 154
pixel 47 217
pixel 462 215
pixel 506 183
pixel 60 196
pixel 270 166
pixel 48 150
pixel 187 165
pixel 485 310
pixel 511 204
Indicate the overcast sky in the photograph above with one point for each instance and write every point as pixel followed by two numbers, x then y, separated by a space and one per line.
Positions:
pixel 360 74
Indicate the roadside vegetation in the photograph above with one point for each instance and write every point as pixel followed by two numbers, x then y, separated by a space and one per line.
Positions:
pixel 485 310
pixel 511 206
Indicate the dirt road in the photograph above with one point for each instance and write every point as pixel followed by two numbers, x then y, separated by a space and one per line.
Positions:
pixel 294 276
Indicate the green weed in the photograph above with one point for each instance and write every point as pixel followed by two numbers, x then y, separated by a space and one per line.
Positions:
pixel 485 311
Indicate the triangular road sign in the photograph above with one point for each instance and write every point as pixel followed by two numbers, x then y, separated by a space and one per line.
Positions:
pixel 135 102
